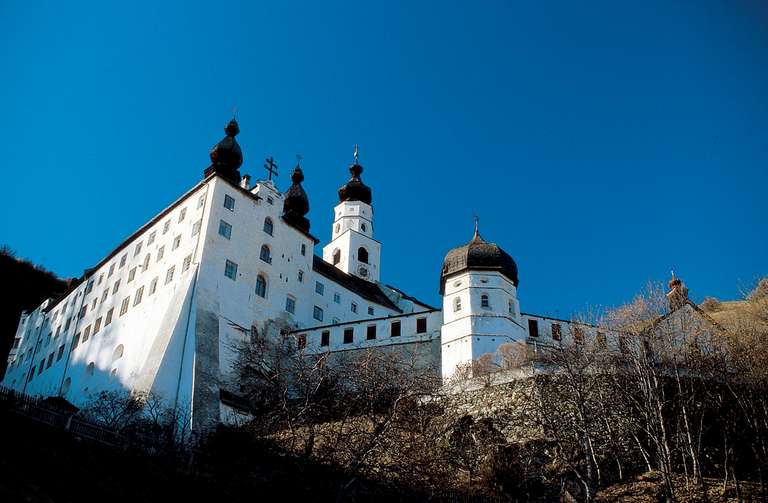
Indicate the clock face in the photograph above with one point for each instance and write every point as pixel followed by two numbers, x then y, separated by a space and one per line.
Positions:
pixel 362 271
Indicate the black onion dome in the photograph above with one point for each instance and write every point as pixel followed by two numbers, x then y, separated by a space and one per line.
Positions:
pixel 226 156
pixel 296 203
pixel 355 189
pixel 478 255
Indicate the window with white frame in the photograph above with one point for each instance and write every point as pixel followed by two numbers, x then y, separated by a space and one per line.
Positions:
pixel 230 269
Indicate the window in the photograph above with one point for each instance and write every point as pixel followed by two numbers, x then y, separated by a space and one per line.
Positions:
pixel 138 296
pixel 229 202
pixel 146 263
pixel 336 256
pixel 511 307
pixel 75 341
pixel 225 230
pixel 116 287
pixel 153 285
pixel 303 249
pixel 268 226
pixel 353 307
pixel 111 270
pixel 290 304
pixel 301 341
pixel 533 328
pixel 182 214
pixel 101 278
pixel 137 250
pixel 394 329
pixel 370 332
pixel 108 319
pixel 230 270
pixel 336 229
pixel 124 306
pixel 83 311
pixel 349 335
pixel 166 226
pixel 86 333
pixel 169 275
pixel 42 366
pixel 319 287
pixel 270 200
pixel 176 242
pixel 556 333
pixel 186 263
pixel 363 227
pixel 50 360
pixel 362 255
pixel 60 353
pixel 131 274
pixel 484 303
pixel 196 227
pixel 160 253
pixel 457 304
pixel 337 298
pixel 325 338
pixel 151 238
pixel 89 369
pixel 317 313
pixel 261 286
pixel 265 254
pixel 103 296
pixel 97 326
pixel 89 287
pixel 93 304
pixel 201 201
pixel 421 325
pixel 300 277
pixel 578 335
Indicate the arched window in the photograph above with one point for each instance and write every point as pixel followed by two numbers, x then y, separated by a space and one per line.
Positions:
pixel 265 254
pixel 118 353
pixel 457 304
pixel 268 226
pixel 336 256
pixel 362 255
pixel 261 286
pixel 363 227
pixel 484 301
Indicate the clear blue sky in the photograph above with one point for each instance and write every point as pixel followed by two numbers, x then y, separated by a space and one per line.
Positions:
pixel 601 144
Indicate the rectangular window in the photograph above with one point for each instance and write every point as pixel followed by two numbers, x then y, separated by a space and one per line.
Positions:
pixel 353 307
pixel 67 323
pixel 301 341
pixel 230 270
pixel 349 335
pixel 533 328
pixel 122 260
pixel 160 253
pixel 370 332
pixel 96 326
pixel 58 329
pixel 116 287
pixel 111 270
pixel 153 285
pixel 93 305
pixel 89 287
pixel 300 277
pixel 421 325
pixel 394 329
pixel 303 249
pixel 108 319
pixel 187 262
pixel 325 338
pixel 61 352
pixel 176 242
pixel 290 305
pixel 50 360
pixel 151 238
pixel 578 335
pixel 124 306
pixel 42 366
pixel 104 295
pixel 137 297
pixel 182 214
pixel 319 287
pixel 166 226
pixel 196 227
pixel 317 313
pixel 131 274
pixel 169 275
pixel 225 230
pixel 229 202
pixel 556 334
pixel 201 201
pixel 86 333
pixel 337 298
pixel 146 262
pixel 101 278
pixel 137 250
pixel 83 310
pixel 370 310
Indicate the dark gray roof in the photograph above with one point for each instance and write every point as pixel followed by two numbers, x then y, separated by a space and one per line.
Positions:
pixel 365 289
pixel 478 255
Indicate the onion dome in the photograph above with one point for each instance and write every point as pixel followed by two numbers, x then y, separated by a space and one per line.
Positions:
pixel 296 204
pixel 355 189
pixel 226 156
pixel 478 255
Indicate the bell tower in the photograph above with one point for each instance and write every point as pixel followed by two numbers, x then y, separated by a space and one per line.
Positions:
pixel 352 248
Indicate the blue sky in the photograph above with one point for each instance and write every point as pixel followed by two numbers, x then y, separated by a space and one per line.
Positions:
pixel 602 145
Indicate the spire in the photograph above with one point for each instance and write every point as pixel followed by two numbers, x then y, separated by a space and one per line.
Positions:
pixel 477 236
pixel 355 189
pixel 296 204
pixel 226 156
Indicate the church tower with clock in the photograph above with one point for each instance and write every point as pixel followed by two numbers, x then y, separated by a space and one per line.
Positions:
pixel 352 248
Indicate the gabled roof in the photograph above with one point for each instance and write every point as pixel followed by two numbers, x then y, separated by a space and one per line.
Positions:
pixel 365 289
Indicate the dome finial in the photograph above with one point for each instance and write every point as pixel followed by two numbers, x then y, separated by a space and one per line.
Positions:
pixel 357 154
pixel 477 227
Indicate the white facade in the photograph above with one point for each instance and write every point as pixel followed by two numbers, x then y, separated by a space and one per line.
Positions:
pixel 352 248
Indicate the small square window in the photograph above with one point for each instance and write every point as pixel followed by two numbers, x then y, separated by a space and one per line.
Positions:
pixel 131 274
pixel 111 270
pixel 176 242
pixel 124 306
pixel 86 333
pixel 319 287
pixel 160 253
pixel 153 285
pixel 317 313
pixel 138 296
pixel 182 214
pixel 96 326
pixel 108 319
pixel 325 338
pixel 337 298
pixel 290 304
pixel 169 275
pixel 196 227
pixel 370 310
pixel 353 307
pixel 349 335
pixel 230 270
pixel 187 262
pixel 166 226
pixel 225 229
pixel 137 250
pixel 123 259
pixel 116 287
pixel 394 329
pixel 229 202
pixel 151 238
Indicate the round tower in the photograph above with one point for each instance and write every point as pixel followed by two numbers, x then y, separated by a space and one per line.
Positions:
pixel 481 311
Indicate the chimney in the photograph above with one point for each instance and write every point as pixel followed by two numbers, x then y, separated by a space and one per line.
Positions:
pixel 245 182
pixel 678 293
